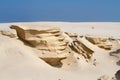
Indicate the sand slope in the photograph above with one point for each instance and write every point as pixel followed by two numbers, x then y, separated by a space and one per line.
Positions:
pixel 20 61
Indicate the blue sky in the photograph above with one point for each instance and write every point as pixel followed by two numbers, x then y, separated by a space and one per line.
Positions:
pixel 60 10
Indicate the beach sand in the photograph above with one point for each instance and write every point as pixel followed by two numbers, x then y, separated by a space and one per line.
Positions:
pixel 25 61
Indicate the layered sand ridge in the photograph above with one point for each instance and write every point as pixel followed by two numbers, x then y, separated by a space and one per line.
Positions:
pixel 52 43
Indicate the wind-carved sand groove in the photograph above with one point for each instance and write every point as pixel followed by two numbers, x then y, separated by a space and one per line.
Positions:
pixel 82 49
pixel 79 47
pixel 7 33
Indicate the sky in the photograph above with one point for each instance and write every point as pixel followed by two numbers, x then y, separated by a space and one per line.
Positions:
pixel 60 10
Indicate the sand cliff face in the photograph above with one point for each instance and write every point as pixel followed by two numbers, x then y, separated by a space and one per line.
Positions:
pixel 51 41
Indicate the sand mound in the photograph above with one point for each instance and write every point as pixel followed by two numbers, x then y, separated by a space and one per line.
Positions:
pixel 52 41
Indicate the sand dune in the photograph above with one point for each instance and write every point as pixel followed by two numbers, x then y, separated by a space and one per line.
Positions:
pixel 59 51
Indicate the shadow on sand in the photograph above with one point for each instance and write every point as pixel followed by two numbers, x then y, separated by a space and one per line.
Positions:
pixel 117 55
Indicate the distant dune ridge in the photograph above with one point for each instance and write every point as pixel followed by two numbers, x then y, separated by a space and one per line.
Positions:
pixel 70 51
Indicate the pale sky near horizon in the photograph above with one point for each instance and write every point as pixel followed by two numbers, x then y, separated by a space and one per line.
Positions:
pixel 60 10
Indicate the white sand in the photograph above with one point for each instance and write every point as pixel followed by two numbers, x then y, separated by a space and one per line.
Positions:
pixel 18 62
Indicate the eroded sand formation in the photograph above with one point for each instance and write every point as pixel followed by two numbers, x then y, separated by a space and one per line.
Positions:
pixel 86 56
pixel 51 41
pixel 100 42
